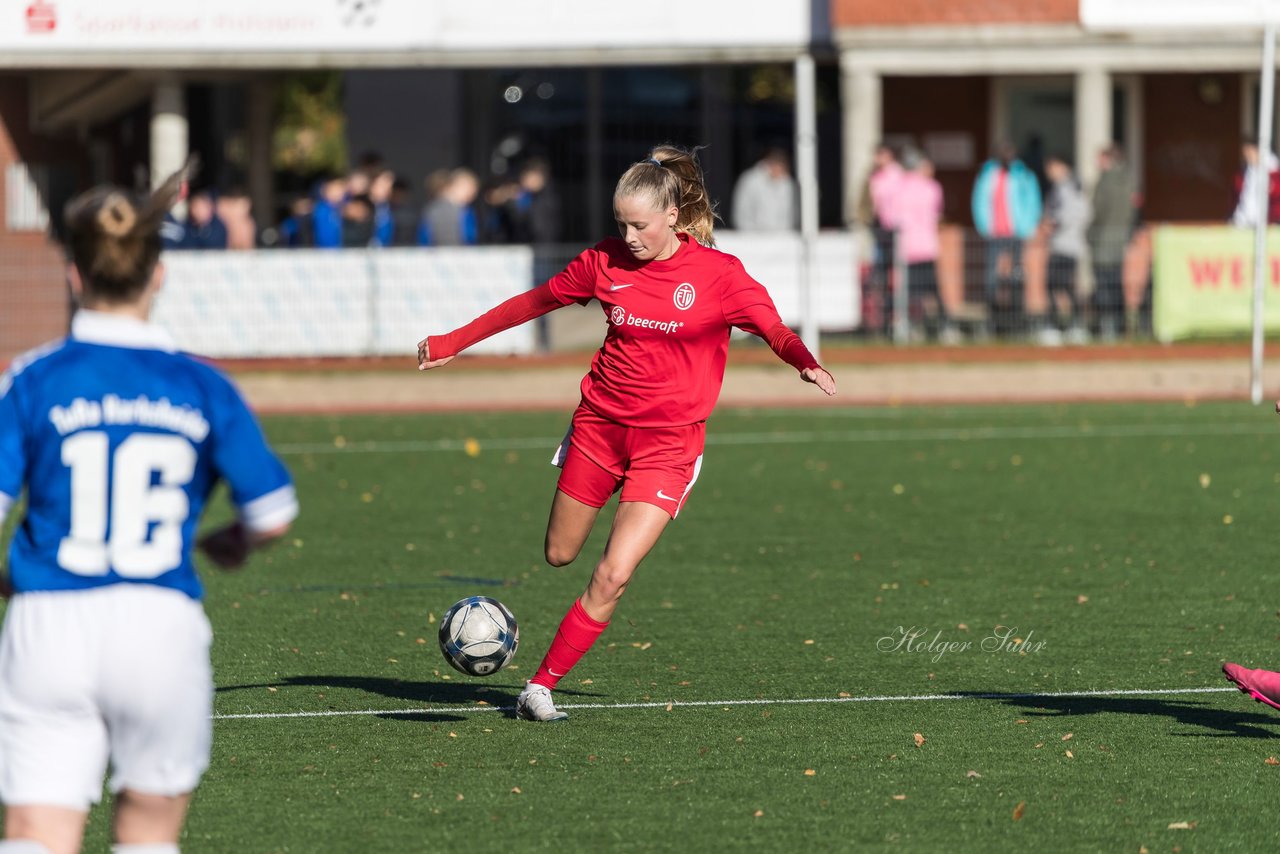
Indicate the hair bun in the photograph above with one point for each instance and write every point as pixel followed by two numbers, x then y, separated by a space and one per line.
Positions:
pixel 117 217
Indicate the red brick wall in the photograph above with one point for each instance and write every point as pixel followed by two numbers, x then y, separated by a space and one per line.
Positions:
pixel 864 13
pixel 1192 139
pixel 915 106
pixel 33 295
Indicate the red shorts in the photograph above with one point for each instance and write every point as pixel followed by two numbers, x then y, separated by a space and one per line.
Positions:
pixel 655 465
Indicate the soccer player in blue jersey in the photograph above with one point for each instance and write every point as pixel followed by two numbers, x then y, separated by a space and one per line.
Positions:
pixel 118 440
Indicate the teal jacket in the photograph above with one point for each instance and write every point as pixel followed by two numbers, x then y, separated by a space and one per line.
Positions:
pixel 1023 193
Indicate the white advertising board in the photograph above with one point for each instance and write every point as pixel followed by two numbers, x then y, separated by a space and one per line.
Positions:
pixel 774 261
pixel 293 26
pixel 309 303
pixel 1176 14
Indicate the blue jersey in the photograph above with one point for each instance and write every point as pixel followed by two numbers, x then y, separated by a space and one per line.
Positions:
pixel 119 440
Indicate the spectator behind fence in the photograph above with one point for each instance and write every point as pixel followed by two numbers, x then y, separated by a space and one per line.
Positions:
pixel 764 198
pixel 877 206
pixel 917 212
pixel 326 216
pixel 449 219
pixel 1066 218
pixel 235 209
pixel 404 217
pixel 495 211
pixel 1006 211
pixel 534 210
pixel 384 220
pixel 357 223
pixel 1246 213
pixel 203 229
pixel 1114 210
pixel 297 231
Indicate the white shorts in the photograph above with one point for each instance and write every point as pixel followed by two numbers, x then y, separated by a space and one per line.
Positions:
pixel 117 673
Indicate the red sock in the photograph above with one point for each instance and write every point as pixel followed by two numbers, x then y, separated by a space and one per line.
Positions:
pixel 575 636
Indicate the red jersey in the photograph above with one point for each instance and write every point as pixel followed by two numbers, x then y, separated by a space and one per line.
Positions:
pixel 663 358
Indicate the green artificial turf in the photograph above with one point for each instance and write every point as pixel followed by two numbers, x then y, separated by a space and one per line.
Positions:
pixel 1128 549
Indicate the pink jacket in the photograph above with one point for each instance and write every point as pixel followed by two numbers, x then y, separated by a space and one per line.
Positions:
pixel 883 186
pixel 917 210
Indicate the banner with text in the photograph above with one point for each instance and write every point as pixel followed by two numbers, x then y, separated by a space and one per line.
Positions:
pixel 1204 281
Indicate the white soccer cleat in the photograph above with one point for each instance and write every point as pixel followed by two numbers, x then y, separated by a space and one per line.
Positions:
pixel 534 704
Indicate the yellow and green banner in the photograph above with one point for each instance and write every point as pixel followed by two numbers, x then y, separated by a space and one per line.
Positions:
pixel 1204 281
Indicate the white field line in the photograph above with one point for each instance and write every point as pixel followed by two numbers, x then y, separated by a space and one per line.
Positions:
pixel 964 434
pixel 676 704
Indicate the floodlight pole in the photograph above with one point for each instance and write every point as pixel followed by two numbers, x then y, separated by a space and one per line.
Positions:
pixel 1266 97
pixel 807 178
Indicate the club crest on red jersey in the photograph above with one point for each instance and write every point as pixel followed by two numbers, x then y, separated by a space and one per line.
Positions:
pixel 684 296
pixel 619 315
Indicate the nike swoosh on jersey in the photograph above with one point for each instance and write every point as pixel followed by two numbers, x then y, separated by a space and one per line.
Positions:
pixel 665 497
pixel 618 287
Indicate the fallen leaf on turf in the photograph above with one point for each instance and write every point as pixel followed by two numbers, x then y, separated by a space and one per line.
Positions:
pixel 1040 745
pixel 668 707
pixel 515 790
pixel 460 798
pixel 899 797
pixel 1070 755
pixel 417 795
pixel 758 813
pixel 971 774
pixel 453 735
pixel 1019 810
pixel 1068 736
pixel 272 690
pixel 1205 480
pixel 587 682
pixel 962 627
pixel 1081 599
pixel 1183 825
pixel 439 765
pixel 1021 721
pixel 844 694
pixel 1271 760
pixel 809 772
pixel 919 739
pixel 808 643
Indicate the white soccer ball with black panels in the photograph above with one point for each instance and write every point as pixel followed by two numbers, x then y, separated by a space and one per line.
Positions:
pixel 479 636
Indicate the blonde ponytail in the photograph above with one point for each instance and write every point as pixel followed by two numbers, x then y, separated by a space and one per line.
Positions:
pixel 671 176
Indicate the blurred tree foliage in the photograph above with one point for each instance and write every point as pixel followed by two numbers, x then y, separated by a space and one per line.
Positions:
pixel 310 133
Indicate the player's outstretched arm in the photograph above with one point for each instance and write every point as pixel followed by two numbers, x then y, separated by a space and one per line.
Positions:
pixel 820 377
pixel 229 547
pixel 514 311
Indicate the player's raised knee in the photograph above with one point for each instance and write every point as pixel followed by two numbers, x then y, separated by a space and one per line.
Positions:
pixel 558 555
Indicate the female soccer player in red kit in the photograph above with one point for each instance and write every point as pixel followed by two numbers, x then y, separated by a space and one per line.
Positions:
pixel 670 301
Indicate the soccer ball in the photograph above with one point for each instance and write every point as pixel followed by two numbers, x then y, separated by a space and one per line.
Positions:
pixel 479 636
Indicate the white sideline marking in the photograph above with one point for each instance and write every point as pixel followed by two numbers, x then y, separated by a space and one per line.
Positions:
pixel 902 698
pixel 1113 431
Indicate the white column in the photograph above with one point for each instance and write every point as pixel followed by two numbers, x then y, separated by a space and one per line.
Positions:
pixel 807 177
pixel 169 145
pixel 1093 121
pixel 861 104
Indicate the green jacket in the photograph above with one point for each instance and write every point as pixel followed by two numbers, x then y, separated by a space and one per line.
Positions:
pixel 1113 215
